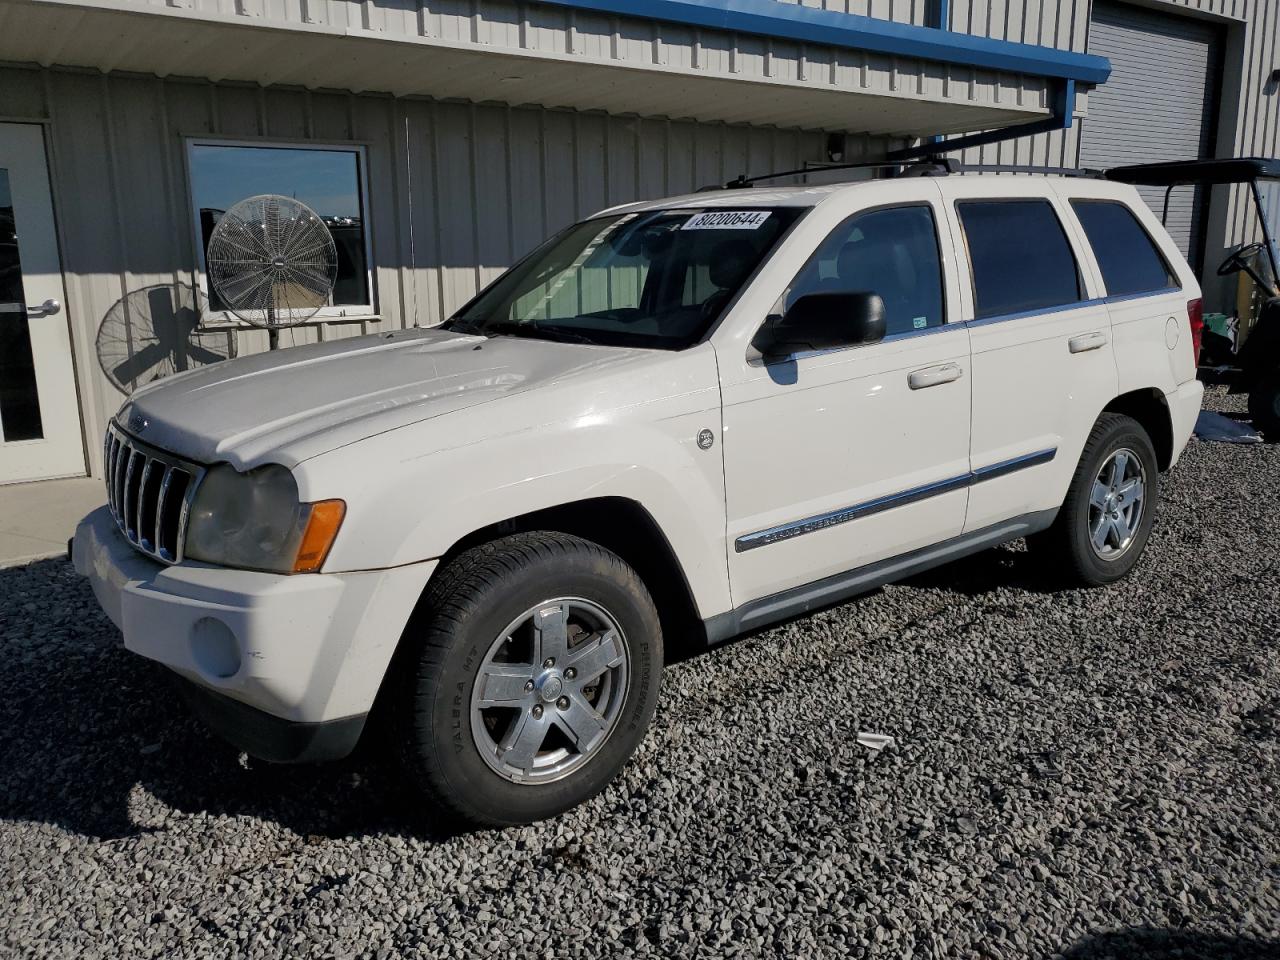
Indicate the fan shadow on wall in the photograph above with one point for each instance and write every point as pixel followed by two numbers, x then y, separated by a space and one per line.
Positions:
pixel 154 332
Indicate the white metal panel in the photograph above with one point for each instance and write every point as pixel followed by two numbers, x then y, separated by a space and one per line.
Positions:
pixel 483 50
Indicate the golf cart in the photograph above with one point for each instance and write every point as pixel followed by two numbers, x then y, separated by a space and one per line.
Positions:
pixel 1248 356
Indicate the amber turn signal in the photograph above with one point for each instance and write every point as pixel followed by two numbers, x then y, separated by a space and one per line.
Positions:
pixel 322 528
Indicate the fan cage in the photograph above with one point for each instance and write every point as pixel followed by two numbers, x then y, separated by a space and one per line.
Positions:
pixel 272 261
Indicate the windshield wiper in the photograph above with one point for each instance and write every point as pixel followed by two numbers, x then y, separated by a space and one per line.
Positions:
pixel 533 331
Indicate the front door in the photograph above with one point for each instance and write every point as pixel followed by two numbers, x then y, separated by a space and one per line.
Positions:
pixel 838 459
pixel 39 416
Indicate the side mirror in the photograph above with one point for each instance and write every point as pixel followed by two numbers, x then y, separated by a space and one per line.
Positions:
pixel 823 321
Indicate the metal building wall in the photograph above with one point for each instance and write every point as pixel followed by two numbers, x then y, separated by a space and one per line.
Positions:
pixel 1251 100
pixel 456 191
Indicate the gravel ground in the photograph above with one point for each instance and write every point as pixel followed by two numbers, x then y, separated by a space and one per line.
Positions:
pixel 1079 773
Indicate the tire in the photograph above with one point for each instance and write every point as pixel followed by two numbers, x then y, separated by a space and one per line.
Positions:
pixel 1264 404
pixel 503 751
pixel 1069 546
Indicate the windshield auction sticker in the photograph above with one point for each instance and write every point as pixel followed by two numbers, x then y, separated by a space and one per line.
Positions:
pixel 727 220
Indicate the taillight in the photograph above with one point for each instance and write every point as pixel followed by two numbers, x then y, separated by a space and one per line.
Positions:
pixel 1195 313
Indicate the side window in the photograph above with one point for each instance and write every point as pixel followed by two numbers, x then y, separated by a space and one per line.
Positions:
pixel 1129 258
pixel 892 252
pixel 1020 256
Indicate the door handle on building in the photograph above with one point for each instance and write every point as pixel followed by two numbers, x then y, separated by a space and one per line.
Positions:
pixel 46 309
pixel 1087 341
pixel 933 376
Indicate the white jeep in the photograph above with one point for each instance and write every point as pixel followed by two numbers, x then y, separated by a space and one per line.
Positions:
pixel 703 414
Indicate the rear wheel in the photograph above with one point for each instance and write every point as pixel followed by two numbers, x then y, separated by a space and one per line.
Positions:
pixel 532 678
pixel 1110 507
pixel 1264 404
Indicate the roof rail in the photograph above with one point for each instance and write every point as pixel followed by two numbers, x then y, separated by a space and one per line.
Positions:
pixel 932 167
pixel 1031 168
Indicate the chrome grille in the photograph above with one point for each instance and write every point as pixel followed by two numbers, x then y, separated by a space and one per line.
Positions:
pixel 149 493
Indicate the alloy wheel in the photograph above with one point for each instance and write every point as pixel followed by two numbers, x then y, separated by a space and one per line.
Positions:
pixel 550 690
pixel 1116 504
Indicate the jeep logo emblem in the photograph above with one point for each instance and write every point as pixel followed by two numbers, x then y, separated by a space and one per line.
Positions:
pixel 138 423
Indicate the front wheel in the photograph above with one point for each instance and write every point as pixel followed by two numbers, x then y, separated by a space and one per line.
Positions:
pixel 530 679
pixel 1105 521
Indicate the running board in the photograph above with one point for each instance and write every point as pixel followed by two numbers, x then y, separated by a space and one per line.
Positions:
pixel 823 593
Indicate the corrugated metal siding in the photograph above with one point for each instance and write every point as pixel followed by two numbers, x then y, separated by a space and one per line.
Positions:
pixel 457 191
pixel 1161 103
pixel 451 49
pixel 1255 101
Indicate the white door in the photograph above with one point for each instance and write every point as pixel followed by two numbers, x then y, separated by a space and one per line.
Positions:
pixel 1043 361
pixel 839 459
pixel 39 415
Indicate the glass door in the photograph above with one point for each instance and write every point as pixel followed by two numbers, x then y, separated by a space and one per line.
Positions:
pixel 39 415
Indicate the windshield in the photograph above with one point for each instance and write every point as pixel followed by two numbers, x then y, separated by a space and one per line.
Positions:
pixel 1269 207
pixel 660 278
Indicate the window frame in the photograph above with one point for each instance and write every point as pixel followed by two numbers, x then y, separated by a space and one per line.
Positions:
pixel 1082 288
pixel 223 319
pixel 888 337
pixel 1175 285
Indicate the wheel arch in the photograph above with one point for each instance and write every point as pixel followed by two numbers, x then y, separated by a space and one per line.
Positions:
pixel 620 525
pixel 1150 409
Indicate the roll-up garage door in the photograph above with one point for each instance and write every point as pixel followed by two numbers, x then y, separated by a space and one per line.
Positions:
pixel 1160 103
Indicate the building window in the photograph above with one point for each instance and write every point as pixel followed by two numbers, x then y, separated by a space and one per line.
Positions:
pixel 1020 257
pixel 329 179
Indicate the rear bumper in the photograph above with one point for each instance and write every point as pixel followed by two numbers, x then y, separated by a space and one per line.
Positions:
pixel 270 655
pixel 1184 407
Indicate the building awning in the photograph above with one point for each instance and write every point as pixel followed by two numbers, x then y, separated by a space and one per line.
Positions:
pixel 734 61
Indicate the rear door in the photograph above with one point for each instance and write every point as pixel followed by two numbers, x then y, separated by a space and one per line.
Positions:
pixel 1146 298
pixel 1043 364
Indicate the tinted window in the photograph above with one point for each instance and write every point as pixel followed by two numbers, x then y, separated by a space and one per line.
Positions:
pixel 1129 259
pixel 328 181
pixel 1020 256
pixel 892 252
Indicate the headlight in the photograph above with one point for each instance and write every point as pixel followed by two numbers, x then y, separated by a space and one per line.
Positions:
pixel 254 520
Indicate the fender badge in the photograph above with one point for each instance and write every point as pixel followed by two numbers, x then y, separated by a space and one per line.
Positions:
pixel 705 439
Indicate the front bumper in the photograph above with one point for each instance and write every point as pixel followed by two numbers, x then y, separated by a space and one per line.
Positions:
pixel 267 654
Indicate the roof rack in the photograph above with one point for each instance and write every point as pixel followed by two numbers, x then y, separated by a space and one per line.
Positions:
pixel 932 167
pixel 928 167
pixel 1086 172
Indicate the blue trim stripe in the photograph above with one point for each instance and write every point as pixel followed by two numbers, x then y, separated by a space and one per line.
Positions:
pixel 792 21
pixel 822 521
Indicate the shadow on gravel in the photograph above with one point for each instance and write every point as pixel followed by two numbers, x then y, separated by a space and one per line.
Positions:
pixel 88 730
pixel 1007 566
pixel 1145 943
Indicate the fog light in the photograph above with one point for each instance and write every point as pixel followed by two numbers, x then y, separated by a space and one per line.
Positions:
pixel 214 648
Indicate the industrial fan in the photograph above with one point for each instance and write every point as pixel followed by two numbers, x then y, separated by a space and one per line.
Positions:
pixel 273 262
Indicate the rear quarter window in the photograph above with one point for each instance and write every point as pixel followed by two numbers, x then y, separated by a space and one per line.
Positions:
pixel 1020 256
pixel 1130 260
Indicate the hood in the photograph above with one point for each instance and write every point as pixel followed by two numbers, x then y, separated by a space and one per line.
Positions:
pixel 287 405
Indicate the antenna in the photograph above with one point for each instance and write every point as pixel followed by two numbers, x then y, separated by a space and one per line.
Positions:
pixel 273 262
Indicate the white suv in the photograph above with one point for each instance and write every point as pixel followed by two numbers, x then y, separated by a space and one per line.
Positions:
pixel 705 414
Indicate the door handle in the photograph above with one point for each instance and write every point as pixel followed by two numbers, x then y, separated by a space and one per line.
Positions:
pixel 1087 341
pixel 933 376
pixel 46 309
